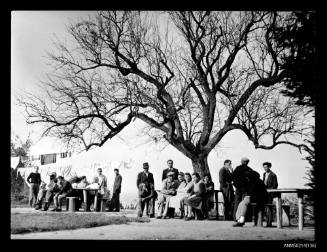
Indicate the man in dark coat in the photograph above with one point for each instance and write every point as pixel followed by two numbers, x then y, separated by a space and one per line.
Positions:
pixel 226 186
pixel 239 182
pixel 146 177
pixel 254 191
pixel 114 202
pixel 65 190
pixel 170 168
pixel 270 181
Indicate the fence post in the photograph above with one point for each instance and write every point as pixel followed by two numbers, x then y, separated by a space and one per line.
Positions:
pixel 279 210
pixel 300 207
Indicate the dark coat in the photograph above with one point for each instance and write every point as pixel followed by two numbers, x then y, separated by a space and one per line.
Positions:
pixel 255 187
pixel 239 177
pixel 271 181
pixel 271 184
pixel 142 178
pixel 66 187
pixel 226 186
pixel 165 172
pixel 117 184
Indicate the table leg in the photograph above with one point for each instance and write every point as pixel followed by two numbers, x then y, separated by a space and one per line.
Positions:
pixel 85 200
pixel 216 205
pixel 279 211
pixel 95 201
pixel 300 205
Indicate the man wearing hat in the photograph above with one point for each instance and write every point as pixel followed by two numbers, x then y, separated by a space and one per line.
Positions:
pixel 170 168
pixel 146 192
pixel 114 203
pixel 239 182
pixel 52 188
pixel 169 187
pixel 43 190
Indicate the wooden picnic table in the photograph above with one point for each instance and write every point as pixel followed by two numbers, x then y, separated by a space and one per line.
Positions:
pixel 85 190
pixel 300 193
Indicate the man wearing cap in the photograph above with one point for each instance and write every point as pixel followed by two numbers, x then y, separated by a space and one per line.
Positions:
pixel 52 188
pixel 43 190
pixel 169 188
pixel 170 168
pixel 114 203
pixel 239 182
pixel 147 194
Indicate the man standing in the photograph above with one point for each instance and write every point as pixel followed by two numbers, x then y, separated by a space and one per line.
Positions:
pixel 240 182
pixel 101 180
pixel 170 168
pixel 114 203
pixel 145 182
pixel 34 179
pixel 226 186
pixel 270 181
pixel 168 190
pixel 65 189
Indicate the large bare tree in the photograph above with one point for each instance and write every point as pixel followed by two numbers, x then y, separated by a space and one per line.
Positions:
pixel 191 76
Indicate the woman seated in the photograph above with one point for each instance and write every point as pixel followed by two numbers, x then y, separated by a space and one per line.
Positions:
pixel 196 199
pixel 210 191
pixel 183 191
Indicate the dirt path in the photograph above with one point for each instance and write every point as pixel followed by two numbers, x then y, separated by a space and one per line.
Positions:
pixel 174 229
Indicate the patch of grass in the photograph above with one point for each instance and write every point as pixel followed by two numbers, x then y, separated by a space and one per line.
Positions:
pixel 40 222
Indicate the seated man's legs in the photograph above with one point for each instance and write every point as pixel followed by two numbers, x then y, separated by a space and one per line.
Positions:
pixel 55 201
pixel 40 197
pixel 161 203
pixel 60 198
pixel 166 205
pixel 48 199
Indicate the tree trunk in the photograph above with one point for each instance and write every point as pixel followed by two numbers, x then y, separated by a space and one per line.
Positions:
pixel 200 165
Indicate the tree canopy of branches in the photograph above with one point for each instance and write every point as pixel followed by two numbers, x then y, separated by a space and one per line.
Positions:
pixel 19 147
pixel 299 36
pixel 191 76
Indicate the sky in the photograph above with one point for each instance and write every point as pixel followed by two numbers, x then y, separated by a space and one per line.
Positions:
pixel 31 36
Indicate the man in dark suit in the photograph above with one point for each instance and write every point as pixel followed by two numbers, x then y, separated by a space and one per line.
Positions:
pixel 254 191
pixel 170 168
pixel 270 181
pixel 239 181
pixel 226 186
pixel 114 202
pixel 146 178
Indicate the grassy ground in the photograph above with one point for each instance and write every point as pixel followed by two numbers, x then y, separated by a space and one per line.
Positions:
pixel 45 221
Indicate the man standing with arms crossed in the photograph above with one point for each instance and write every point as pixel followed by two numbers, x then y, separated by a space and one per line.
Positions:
pixel 114 203
pixel 34 180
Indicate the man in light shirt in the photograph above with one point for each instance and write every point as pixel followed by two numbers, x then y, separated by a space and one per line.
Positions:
pixel 101 180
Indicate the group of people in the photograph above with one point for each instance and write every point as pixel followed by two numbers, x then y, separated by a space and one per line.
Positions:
pixel 57 188
pixel 192 196
pixel 185 194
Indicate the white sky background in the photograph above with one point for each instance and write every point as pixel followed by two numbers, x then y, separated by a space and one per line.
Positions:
pixel 32 33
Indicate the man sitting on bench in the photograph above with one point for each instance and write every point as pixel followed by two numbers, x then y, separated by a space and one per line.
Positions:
pixel 65 189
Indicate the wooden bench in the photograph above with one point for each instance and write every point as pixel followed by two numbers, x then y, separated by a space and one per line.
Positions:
pixel 71 204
